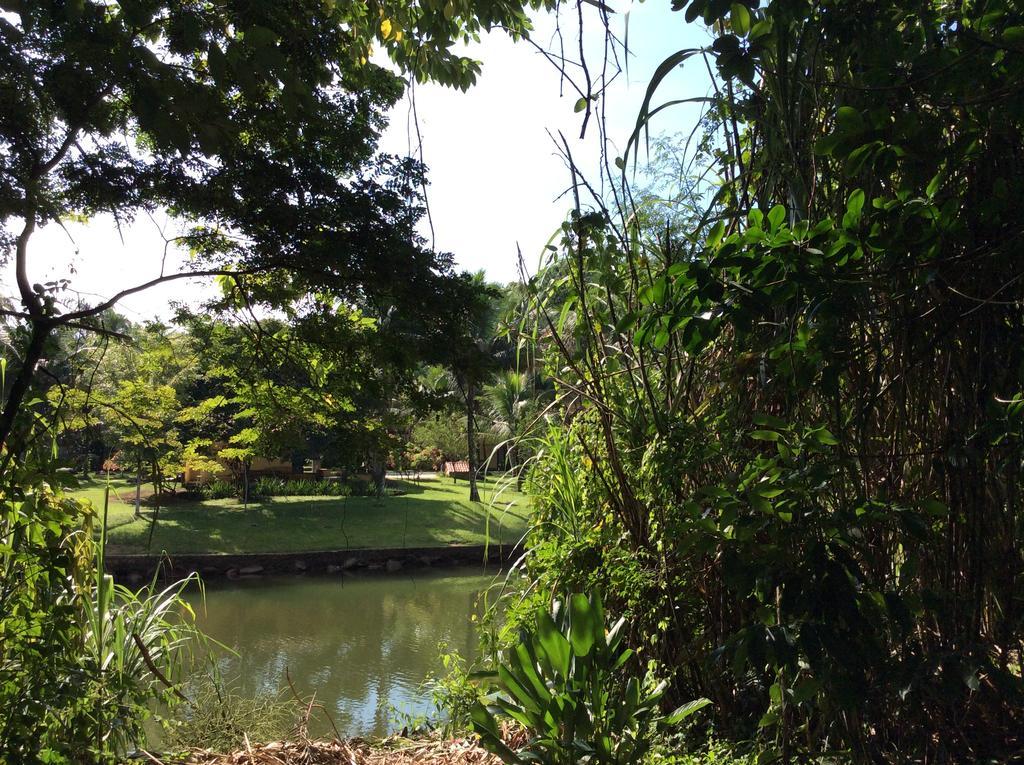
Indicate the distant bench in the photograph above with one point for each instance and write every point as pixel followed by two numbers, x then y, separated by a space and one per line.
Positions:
pixel 456 470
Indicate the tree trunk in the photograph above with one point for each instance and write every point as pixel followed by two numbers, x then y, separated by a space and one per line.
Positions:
pixel 379 473
pixel 33 352
pixel 138 488
pixel 245 485
pixel 474 492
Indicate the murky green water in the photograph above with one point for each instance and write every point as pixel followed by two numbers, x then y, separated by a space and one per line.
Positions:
pixel 363 644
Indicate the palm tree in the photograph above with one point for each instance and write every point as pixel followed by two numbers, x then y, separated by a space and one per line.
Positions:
pixel 507 401
pixel 475 353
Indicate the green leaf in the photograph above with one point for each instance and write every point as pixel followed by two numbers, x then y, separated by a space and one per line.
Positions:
pixel 584 627
pixel 739 17
pixel 759 503
pixel 1014 36
pixel 849 120
pixel 854 206
pixel 776 216
pixel 580 105
pixel 825 145
pixel 558 650
pixel 687 709
pixel 935 183
pixel 715 235
pixel 518 689
pixel 663 70
pixel 764 435
pixel 769 421
pixel 824 436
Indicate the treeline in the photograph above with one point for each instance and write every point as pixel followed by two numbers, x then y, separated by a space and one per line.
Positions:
pixel 210 394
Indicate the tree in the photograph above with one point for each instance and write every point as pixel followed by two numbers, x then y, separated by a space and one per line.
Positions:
pixel 506 401
pixel 473 355
pixel 255 124
pixel 142 419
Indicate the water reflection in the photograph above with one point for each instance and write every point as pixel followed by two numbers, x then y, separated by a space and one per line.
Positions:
pixel 363 644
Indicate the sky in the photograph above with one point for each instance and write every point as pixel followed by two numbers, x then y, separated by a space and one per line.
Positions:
pixel 496 179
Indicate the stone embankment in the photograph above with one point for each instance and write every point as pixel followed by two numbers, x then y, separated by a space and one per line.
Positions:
pixel 137 568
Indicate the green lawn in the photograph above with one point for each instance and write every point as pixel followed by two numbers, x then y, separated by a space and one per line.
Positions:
pixel 432 514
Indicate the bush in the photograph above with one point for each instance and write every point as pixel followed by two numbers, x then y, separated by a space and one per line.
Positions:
pixel 427 458
pixel 567 682
pixel 218 489
pixel 360 487
pixel 270 486
pixel 453 693
pixel 77 652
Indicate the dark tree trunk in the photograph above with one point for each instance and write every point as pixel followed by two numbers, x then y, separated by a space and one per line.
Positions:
pixel 379 473
pixel 22 382
pixel 138 488
pixel 474 492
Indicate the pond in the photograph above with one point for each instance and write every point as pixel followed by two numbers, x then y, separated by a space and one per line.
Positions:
pixel 364 644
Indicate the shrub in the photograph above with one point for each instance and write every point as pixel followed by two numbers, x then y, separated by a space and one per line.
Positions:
pixel 218 489
pixel 566 681
pixel 453 693
pixel 82 660
pixel 360 487
pixel 270 486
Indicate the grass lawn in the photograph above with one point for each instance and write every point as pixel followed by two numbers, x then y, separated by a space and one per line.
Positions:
pixel 431 514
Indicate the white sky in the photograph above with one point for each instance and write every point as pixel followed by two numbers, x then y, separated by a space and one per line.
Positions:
pixel 494 173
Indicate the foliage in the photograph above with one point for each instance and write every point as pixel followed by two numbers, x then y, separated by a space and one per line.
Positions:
pixel 472 355
pixel 566 682
pixel 674 752
pixel 218 489
pixel 254 129
pixel 130 634
pixel 425 458
pixel 444 432
pixel 454 692
pixel 219 719
pixel 281 487
pixel 512 407
pixel 791 442
pixel 81 659
pixel 46 554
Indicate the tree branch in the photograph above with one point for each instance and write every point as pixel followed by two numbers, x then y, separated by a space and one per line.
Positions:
pixel 111 302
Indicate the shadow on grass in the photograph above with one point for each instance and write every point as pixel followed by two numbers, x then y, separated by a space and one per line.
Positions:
pixel 306 524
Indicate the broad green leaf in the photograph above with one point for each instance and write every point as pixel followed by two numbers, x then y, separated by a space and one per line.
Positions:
pixel 739 18
pixel 715 235
pixel 824 436
pixel 584 626
pixel 687 709
pixel 558 650
pixel 849 120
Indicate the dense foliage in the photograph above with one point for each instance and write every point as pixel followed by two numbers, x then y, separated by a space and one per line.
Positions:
pixel 82 661
pixel 565 682
pixel 254 126
pixel 791 442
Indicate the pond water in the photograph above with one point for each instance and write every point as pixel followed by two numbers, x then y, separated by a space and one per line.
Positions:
pixel 364 644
